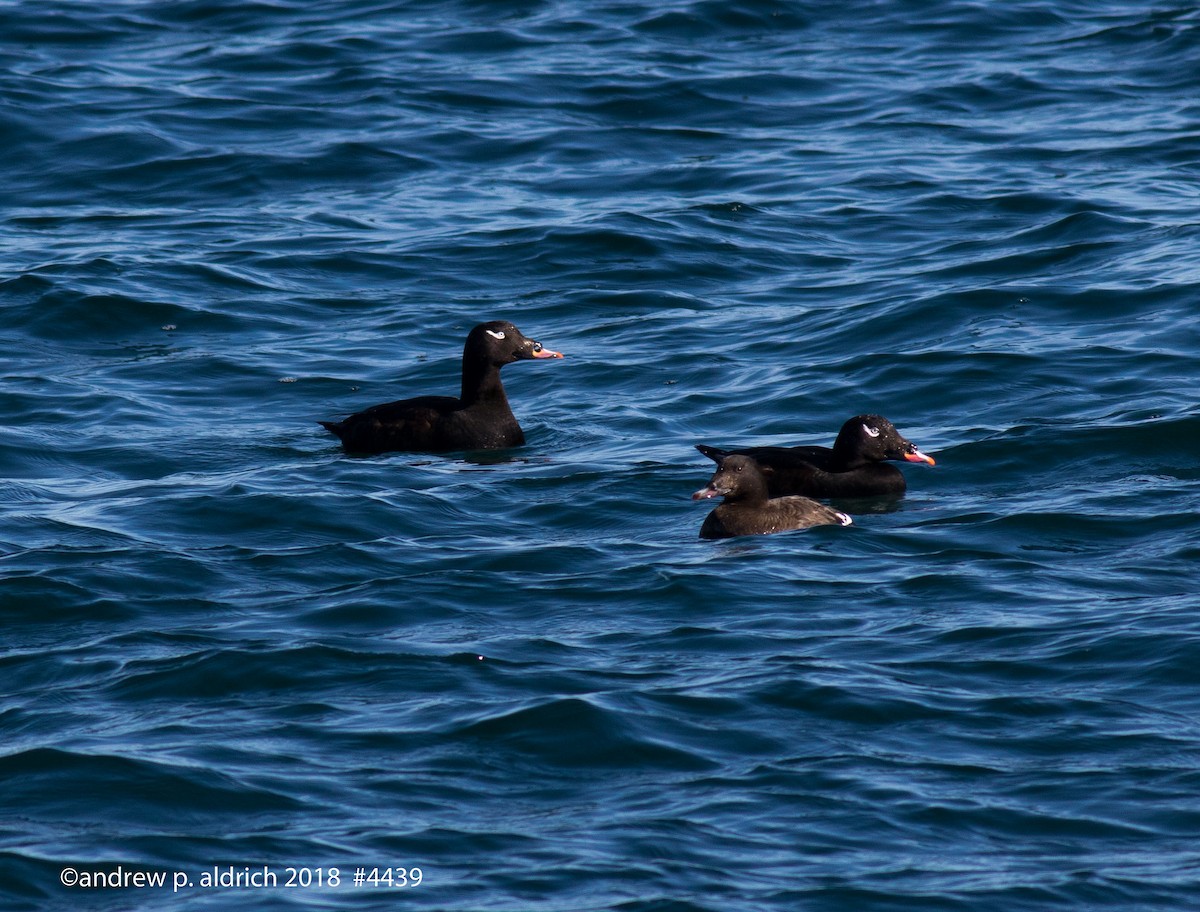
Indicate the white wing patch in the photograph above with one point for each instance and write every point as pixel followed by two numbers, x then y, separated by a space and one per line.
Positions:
pixel 494 334
pixel 871 432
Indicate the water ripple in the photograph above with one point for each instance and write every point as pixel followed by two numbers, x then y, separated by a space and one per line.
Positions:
pixel 229 643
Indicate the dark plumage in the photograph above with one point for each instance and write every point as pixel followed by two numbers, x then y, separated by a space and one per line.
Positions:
pixel 854 467
pixel 747 510
pixel 480 419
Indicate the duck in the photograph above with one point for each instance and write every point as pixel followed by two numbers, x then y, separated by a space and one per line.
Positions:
pixel 748 510
pixel 479 419
pixel 853 467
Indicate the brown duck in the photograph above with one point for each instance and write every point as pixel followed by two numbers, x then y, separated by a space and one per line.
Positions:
pixel 747 510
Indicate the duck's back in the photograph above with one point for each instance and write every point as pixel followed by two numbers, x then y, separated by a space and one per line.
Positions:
pixel 789 474
pixel 811 471
pixel 780 514
pixel 428 424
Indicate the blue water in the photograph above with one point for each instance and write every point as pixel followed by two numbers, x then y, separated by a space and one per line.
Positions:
pixel 227 645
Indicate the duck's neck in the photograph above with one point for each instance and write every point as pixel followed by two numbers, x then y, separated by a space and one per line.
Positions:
pixel 481 383
pixel 844 457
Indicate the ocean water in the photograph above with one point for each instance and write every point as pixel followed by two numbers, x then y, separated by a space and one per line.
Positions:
pixel 238 659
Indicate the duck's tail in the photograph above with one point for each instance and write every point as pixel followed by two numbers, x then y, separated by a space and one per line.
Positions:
pixel 716 454
pixel 334 427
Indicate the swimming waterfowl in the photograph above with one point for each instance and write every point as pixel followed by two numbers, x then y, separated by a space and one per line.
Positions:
pixel 747 510
pixel 480 419
pixel 853 467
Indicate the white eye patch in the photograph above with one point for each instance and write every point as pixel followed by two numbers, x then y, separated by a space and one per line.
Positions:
pixel 871 432
pixel 494 334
